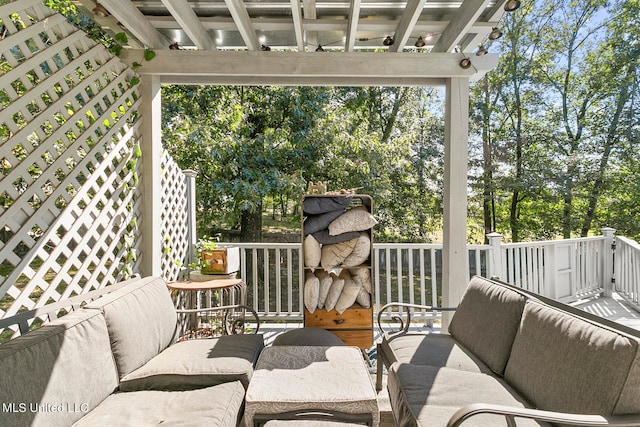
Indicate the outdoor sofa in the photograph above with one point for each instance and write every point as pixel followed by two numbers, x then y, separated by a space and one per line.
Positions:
pixel 117 362
pixel 512 357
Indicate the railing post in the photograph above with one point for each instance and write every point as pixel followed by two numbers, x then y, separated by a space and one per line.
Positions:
pixel 608 275
pixel 550 276
pixel 190 183
pixel 495 265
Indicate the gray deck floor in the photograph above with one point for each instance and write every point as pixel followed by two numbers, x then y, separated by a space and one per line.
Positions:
pixel 615 309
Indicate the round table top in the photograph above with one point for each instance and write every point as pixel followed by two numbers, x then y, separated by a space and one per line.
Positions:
pixel 191 285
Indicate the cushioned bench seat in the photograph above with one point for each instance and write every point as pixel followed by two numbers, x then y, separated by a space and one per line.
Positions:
pixel 115 362
pixel 431 349
pixel 198 363
pixel 428 396
pixel 212 406
pixel 142 322
pixel 514 349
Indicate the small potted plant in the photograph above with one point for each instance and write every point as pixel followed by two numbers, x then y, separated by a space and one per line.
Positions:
pixel 217 260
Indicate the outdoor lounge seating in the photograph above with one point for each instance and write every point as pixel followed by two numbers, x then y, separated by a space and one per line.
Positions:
pixel 513 358
pixel 116 362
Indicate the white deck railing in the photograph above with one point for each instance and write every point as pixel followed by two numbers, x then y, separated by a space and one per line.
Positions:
pixel 566 270
pixel 627 270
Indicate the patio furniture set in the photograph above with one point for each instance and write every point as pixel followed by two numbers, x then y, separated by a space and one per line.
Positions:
pixel 510 358
pixel 117 361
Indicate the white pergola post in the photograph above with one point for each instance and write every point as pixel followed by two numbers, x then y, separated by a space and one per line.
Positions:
pixel 151 128
pixel 608 274
pixel 190 181
pixel 495 241
pixel 454 252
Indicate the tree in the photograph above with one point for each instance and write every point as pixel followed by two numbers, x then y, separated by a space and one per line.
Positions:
pixel 246 143
pixel 576 85
pixel 616 65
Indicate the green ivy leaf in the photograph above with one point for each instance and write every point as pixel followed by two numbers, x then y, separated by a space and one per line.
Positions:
pixel 116 49
pixel 136 65
pixel 149 54
pixel 121 38
pixel 134 81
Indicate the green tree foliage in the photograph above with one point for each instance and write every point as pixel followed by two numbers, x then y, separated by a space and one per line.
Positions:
pixel 246 143
pixel 251 144
pixel 556 120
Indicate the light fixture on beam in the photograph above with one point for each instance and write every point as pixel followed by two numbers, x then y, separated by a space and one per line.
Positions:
pixel 174 46
pixel 319 48
pixel 265 48
pixel 420 42
pixel 388 41
pixel 511 5
pixel 495 34
pixel 481 51
pixel 465 63
pixel 100 10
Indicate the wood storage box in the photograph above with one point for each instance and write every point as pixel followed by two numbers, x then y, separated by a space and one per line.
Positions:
pixel 337 253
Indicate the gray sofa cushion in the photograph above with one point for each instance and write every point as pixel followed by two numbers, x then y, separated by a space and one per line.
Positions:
pixel 563 363
pixel 219 405
pixel 66 364
pixel 141 320
pixel 439 350
pixel 487 320
pixel 198 363
pixel 428 396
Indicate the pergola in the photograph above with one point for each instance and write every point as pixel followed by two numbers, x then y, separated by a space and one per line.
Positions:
pixel 312 42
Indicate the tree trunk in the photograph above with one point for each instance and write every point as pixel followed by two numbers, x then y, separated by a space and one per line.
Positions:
pixel 251 224
pixel 604 160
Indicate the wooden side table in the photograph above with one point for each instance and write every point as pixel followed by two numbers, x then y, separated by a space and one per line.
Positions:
pixel 225 295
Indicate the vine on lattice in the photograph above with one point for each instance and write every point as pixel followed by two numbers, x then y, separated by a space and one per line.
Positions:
pixel 69 143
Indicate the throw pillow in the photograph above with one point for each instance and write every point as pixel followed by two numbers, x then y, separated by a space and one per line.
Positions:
pixel 324 238
pixel 314 223
pixel 325 285
pixel 364 298
pixel 362 276
pixel 356 219
pixel 311 291
pixel 333 255
pixel 312 252
pixel 334 293
pixel 360 252
pixel 349 292
pixel 319 205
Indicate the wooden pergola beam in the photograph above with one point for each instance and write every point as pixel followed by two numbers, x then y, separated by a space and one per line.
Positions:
pixel 352 26
pixel 296 12
pixel 190 23
pixel 406 25
pixel 310 14
pixel 311 68
pixel 131 18
pixel 241 18
pixel 463 20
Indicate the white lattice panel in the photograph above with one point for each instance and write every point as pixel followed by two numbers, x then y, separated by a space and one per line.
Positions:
pixel 69 202
pixel 175 219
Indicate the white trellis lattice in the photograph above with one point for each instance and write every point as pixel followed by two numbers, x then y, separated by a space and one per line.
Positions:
pixel 69 134
pixel 176 220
